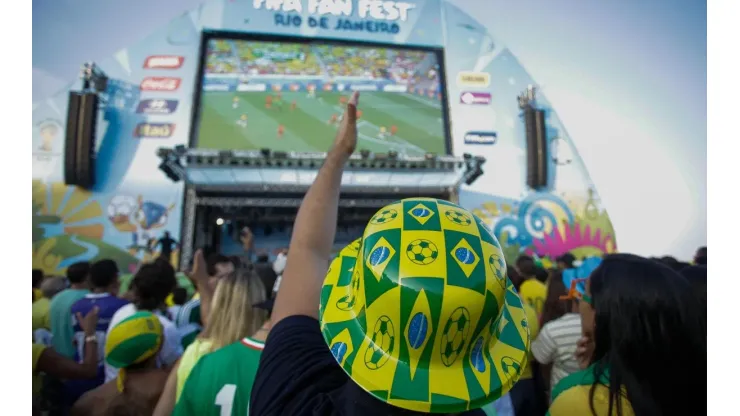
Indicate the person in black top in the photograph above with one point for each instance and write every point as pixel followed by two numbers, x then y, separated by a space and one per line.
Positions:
pixel 166 243
pixel 298 374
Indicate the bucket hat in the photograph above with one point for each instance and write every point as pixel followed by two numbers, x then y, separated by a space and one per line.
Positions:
pixel 419 311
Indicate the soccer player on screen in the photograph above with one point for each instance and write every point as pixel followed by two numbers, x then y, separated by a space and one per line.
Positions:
pixel 280 131
pixel 311 91
pixel 293 105
pixel 268 102
pixel 333 120
pixel 342 101
pixel 359 113
pixel 383 133
pixel 235 103
pixel 394 130
pixel 242 120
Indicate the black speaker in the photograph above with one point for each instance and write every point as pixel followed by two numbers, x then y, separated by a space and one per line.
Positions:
pixel 536 132
pixel 79 162
pixel 70 139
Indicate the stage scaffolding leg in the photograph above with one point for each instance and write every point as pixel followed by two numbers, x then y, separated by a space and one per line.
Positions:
pixel 188 230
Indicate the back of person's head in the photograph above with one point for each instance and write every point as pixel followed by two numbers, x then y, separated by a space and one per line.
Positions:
pixel 103 274
pixel 424 291
pixel 554 307
pixel 673 263
pixel 267 275
pixel 697 277
pixel 214 260
pixel 233 315
pixel 179 296
pixel 700 257
pixel 52 285
pixel 541 274
pixel 151 285
pixel 514 276
pixel 648 336
pixel 565 261
pixel 263 258
pixel 526 266
pixel 38 276
pixel 78 272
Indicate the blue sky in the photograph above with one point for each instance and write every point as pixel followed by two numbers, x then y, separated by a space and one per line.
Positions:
pixel 627 78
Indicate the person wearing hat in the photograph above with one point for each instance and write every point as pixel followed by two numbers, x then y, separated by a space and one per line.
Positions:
pixel 131 346
pixel 415 317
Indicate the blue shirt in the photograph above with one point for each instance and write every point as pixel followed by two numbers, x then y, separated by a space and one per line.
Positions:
pixel 61 320
pixel 107 306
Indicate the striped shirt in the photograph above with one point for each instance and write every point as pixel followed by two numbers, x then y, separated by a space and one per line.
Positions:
pixel 556 344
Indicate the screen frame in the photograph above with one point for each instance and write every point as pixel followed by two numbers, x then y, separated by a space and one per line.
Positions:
pixel 207 35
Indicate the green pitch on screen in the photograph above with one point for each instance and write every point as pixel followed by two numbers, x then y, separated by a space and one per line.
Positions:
pixel 419 126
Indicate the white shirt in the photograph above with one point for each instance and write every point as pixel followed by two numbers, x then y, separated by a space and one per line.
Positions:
pixel 171 346
pixel 556 344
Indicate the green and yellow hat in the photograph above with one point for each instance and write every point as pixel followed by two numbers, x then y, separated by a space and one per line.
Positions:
pixel 419 312
pixel 133 341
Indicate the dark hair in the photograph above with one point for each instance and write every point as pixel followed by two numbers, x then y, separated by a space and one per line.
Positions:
pixel 554 307
pixel 540 274
pixel 648 337
pixel 103 273
pixel 526 265
pixel 179 296
pixel 215 259
pixel 701 256
pixel 152 284
pixel 514 276
pixel 566 259
pixel 78 272
pixel 267 275
pixel 263 258
pixel 697 277
pixel 38 276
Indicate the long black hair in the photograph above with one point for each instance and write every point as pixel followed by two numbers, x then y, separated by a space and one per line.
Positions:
pixel 649 338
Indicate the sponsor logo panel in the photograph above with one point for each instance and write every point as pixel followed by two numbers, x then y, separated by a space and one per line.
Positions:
pixel 157 106
pixel 154 130
pixel 481 137
pixel 164 62
pixel 475 98
pixel 160 84
pixel 473 79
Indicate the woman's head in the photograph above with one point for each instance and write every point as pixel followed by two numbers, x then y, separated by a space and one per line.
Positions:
pixel 642 318
pixel 554 306
pixel 233 315
pixel 152 284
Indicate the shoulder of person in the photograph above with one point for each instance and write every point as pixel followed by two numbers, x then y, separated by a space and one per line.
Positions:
pixel 572 401
pixel 573 381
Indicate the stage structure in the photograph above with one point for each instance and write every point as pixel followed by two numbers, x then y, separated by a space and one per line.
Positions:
pixel 264 179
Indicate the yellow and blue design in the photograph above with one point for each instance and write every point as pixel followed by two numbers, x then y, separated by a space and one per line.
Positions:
pixel 419 312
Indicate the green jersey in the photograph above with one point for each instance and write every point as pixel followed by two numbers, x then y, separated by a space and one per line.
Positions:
pixel 220 384
pixel 188 322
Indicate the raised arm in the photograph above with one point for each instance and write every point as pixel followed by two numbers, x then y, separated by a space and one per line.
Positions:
pixel 315 228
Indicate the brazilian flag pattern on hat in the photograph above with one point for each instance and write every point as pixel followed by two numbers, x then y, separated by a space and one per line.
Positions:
pixel 419 312
pixel 133 340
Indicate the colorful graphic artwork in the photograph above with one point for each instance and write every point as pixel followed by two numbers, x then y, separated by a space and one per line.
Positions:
pixel 150 105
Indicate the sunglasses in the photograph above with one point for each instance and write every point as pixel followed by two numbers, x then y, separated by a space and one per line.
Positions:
pixel 577 291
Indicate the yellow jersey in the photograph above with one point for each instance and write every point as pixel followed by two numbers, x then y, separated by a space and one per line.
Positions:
pixel 571 396
pixel 533 293
pixel 40 317
pixel 193 353
pixel 533 323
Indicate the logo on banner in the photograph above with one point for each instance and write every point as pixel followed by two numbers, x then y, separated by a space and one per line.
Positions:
pixel 164 62
pixel 157 106
pixel 479 98
pixel 160 84
pixel 473 79
pixel 480 137
pixel 154 130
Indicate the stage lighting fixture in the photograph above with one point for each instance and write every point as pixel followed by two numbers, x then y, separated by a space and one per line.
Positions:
pixel 265 152
pixel 280 155
pixel 219 221
pixel 392 154
pixel 181 150
pixel 430 156
pixel 365 153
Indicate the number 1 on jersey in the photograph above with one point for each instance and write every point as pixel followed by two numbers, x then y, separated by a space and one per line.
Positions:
pixel 225 399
